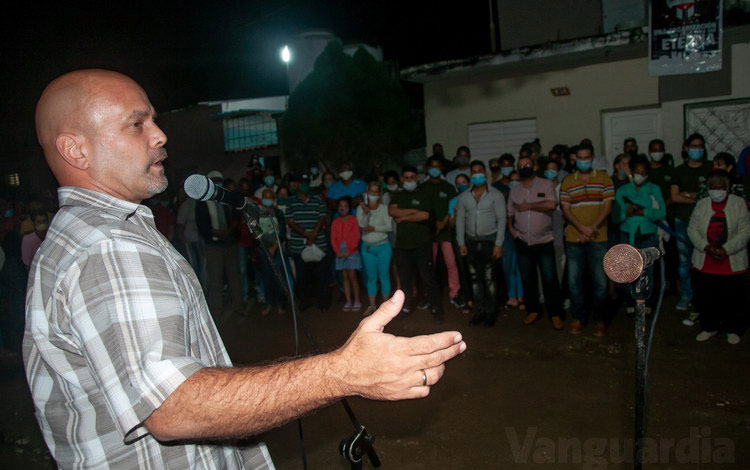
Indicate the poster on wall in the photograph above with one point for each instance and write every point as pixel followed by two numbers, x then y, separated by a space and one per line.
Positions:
pixel 685 36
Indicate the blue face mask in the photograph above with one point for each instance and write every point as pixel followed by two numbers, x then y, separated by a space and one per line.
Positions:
pixel 550 174
pixel 267 202
pixel 695 154
pixel 434 172
pixel 506 170
pixel 462 187
pixel 621 173
pixel 513 184
pixel 583 165
pixel 478 179
pixel 269 180
pixel 314 171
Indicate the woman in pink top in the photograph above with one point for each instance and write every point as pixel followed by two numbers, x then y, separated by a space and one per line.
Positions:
pixel 345 242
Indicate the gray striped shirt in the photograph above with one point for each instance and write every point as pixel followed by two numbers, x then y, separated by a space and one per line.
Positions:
pixel 115 322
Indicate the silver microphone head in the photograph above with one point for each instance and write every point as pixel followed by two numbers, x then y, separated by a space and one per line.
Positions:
pixel 623 263
pixel 199 187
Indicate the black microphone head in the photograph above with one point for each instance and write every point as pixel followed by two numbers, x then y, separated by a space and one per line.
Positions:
pixel 199 187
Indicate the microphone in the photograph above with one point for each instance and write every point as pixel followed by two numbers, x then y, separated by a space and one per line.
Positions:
pixel 200 187
pixel 624 263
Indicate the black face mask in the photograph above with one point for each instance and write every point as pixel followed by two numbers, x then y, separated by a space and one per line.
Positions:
pixel 525 172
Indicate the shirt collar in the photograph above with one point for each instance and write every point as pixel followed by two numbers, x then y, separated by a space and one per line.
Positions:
pixel 79 197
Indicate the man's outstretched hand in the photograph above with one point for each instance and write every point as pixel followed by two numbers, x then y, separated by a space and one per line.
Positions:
pixel 381 366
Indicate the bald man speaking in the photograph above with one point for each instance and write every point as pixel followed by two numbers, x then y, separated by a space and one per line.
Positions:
pixel 126 367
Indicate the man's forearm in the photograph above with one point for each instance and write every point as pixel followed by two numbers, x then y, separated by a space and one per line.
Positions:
pixel 542 206
pixel 294 226
pixel 417 216
pixel 603 214
pixel 243 401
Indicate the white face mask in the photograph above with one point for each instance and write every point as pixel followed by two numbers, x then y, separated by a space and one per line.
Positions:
pixel 717 195
pixel 656 156
pixel 392 187
pixel 410 185
pixel 639 179
pixel 372 198
pixel 346 175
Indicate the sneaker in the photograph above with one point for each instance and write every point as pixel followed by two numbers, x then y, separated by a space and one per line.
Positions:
pixel 600 329
pixel 424 306
pixel 356 306
pixel 457 302
pixel 348 307
pixel 733 338
pixel 370 310
pixel 557 323
pixel 704 335
pixel 682 305
pixel 691 319
pixel 576 327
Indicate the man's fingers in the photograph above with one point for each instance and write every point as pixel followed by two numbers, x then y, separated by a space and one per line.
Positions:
pixel 433 376
pixel 428 361
pixel 387 312
pixel 426 344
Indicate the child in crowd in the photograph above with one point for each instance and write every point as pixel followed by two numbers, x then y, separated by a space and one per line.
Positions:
pixel 345 242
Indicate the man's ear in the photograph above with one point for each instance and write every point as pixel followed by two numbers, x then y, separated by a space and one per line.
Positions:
pixel 69 147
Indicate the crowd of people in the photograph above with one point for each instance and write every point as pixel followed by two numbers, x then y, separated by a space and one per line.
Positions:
pixel 525 232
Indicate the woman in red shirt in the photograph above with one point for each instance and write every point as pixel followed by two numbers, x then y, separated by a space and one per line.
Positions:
pixel 345 242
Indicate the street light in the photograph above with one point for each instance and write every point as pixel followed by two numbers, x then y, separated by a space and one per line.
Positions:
pixel 286 55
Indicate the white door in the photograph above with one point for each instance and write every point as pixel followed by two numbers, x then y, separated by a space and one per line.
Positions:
pixel 489 140
pixel 641 124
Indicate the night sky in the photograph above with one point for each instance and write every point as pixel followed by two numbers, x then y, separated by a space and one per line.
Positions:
pixel 185 52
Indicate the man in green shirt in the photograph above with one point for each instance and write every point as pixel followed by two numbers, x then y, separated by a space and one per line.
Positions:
pixel 686 183
pixel 660 172
pixel 411 209
pixel 440 192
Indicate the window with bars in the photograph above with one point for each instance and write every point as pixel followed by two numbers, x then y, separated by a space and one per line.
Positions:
pixel 250 131
pixel 725 124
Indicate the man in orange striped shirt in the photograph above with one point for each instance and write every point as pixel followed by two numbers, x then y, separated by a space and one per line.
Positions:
pixel 586 198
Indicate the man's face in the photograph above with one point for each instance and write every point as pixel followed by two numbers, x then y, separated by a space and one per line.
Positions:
pixel 408 176
pixel 435 164
pixel 696 144
pixel 478 169
pixel 437 149
pixel 630 147
pixel 124 146
pixel 655 147
pixel 584 155
pixel 720 165
pixel 463 157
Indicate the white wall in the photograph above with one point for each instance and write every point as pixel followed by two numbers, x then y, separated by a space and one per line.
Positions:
pixel 451 105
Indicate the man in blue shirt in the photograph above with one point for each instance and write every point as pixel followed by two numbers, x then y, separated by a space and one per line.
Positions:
pixel 347 186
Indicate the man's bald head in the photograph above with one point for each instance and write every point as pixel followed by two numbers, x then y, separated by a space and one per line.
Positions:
pixel 90 121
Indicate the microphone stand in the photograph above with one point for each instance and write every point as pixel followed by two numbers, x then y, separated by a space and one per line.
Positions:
pixel 640 292
pixel 360 443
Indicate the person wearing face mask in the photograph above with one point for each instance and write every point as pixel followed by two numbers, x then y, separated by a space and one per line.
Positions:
pixel 495 174
pixel 509 261
pixel 725 161
pixel 32 241
pixel 552 173
pixel 621 170
pixel 316 177
pixel 376 225
pixel 271 221
pixel 462 184
pixel 346 186
pixel 586 198
pixel 684 192
pixel 345 243
pixel 412 213
pixel 440 192
pixel 660 171
pixel 719 229
pixel 530 208
pixel 463 157
pixel 269 182
pixel 638 205
pixel 480 232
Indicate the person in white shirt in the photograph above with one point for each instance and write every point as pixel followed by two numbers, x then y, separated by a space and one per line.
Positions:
pixel 376 250
pixel 269 181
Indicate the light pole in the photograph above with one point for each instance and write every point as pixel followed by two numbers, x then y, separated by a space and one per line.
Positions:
pixel 286 57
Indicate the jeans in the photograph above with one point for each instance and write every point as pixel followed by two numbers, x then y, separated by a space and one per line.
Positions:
pixel 310 282
pixel 585 261
pixel 511 271
pixel 244 259
pixel 450 264
pixel 541 257
pixel 483 281
pixel 411 261
pixel 273 291
pixel 377 263
pixel 685 251
pixel 222 263
pixel 463 273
